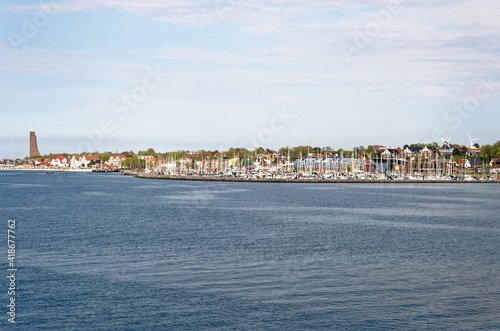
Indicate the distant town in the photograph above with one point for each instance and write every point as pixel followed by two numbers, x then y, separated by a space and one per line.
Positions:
pixel 443 160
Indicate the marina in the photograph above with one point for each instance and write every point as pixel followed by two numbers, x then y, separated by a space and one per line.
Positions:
pixel 411 164
pixel 391 165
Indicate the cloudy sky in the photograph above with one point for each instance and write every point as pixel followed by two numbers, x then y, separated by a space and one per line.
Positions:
pixel 114 75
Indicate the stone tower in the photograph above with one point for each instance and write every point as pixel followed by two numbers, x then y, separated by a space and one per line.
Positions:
pixel 33 146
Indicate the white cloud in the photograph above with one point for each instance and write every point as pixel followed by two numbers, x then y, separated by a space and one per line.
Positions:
pixel 172 10
pixel 201 55
pixel 39 61
pixel 204 11
pixel 467 13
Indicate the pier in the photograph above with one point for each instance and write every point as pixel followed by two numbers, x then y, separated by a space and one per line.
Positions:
pixel 303 180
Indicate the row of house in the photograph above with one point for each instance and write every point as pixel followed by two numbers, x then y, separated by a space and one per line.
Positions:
pixel 83 161
pixel 427 151
pixel 75 162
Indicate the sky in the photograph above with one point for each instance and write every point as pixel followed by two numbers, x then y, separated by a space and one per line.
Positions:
pixel 109 75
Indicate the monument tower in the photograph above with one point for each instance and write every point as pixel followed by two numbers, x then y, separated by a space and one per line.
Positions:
pixel 33 146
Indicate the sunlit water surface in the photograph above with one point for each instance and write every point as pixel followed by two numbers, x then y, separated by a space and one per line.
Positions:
pixel 104 252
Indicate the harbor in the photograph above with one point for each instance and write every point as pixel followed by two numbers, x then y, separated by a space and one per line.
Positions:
pixel 250 165
pixel 411 165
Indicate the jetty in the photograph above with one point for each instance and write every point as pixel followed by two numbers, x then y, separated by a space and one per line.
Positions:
pixel 152 175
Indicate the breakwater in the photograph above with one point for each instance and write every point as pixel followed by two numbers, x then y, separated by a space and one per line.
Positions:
pixel 292 180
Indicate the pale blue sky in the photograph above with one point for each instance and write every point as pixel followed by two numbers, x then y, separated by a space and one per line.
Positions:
pixel 228 66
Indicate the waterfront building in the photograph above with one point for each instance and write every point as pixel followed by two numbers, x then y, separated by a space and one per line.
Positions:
pixel 28 165
pixel 59 162
pixel 42 163
pixel 82 161
pixel 495 165
pixel 389 151
pixel 472 163
pixel 116 160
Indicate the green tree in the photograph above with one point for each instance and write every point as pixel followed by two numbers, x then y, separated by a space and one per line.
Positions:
pixel 283 150
pixel 149 152
pixel 301 149
pixel 260 150
pixel 104 157
pixel 361 150
pixel 457 152
pixel 128 162
pixel 496 149
pixel 136 163
pixel 371 150
pixel 464 150
pixel 487 151
pixel 175 155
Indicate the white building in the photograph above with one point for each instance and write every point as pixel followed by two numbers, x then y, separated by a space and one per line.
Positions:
pixel 59 162
pixel 82 161
pixel 116 160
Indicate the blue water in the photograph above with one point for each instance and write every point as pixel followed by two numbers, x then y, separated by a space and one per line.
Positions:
pixel 111 252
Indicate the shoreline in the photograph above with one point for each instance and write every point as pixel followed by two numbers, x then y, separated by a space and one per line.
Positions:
pixel 54 170
pixel 143 175
pixel 305 180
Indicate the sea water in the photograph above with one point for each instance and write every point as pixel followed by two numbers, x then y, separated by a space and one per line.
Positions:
pixel 111 252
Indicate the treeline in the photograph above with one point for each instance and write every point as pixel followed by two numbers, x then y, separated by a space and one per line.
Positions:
pixel 132 158
pixel 491 151
pixel 103 156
